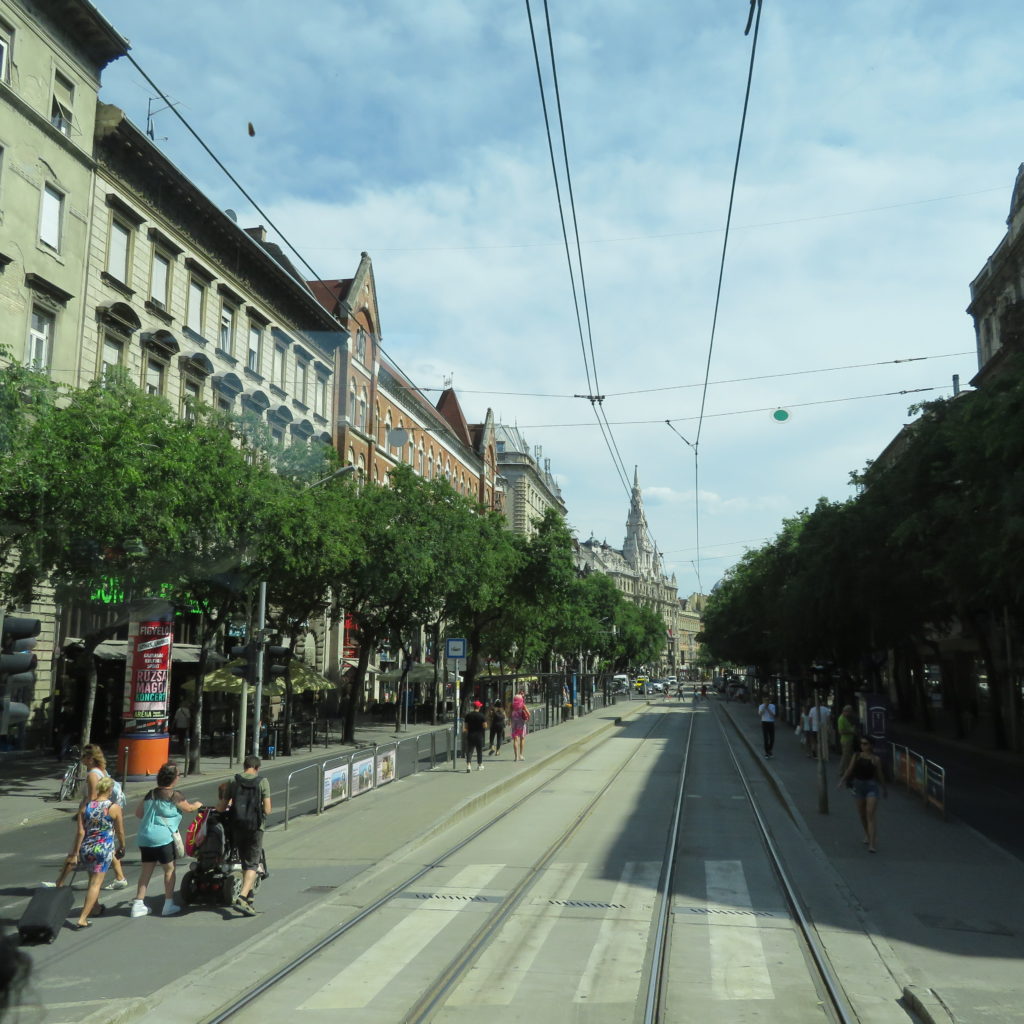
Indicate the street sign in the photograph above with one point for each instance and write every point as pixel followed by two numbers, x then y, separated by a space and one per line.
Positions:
pixel 455 647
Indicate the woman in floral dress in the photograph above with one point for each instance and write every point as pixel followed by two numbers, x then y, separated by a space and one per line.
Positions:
pixel 100 837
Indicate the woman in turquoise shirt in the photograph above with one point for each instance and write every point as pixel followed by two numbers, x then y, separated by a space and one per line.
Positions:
pixel 160 811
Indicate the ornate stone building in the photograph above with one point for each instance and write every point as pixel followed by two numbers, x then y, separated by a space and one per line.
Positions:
pixel 530 488
pixel 638 572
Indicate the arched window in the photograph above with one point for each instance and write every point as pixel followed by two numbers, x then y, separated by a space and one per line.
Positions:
pixel 361 472
pixel 448 470
pixel 412 452
pixel 398 447
pixel 376 417
pixel 351 456
pixel 352 401
pixel 421 459
pixel 361 417
pixel 387 430
pixel 430 465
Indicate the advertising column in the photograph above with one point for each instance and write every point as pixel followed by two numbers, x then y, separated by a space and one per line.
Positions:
pixel 146 742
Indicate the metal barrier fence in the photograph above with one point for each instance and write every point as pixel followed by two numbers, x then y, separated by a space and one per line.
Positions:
pixel 345 776
pixel 919 775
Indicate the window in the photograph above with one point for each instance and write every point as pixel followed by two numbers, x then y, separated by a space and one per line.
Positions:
pixel 51 217
pixel 191 396
pixel 277 434
pixel 361 345
pixel 352 401
pixel 40 338
pixel 421 459
pixel 280 361
pixel 252 360
pixel 361 409
pixel 118 250
pixel 160 279
pixel 63 104
pixel 196 305
pixel 320 396
pixel 6 40
pixel 430 466
pixel 301 380
pixel 112 355
pixel 227 327
pixel 154 377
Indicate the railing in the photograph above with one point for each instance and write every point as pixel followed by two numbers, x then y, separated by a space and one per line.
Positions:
pixel 345 776
pixel 919 775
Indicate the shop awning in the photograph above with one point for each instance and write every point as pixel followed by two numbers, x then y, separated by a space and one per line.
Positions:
pixel 117 650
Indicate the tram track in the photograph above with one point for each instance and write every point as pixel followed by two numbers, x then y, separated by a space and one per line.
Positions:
pixel 460 963
pixel 506 907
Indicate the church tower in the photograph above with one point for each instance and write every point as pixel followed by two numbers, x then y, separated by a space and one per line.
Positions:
pixel 638 549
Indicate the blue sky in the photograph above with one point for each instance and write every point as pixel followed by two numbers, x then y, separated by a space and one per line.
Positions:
pixel 881 147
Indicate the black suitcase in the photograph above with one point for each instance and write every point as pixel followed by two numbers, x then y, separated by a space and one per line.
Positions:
pixel 45 914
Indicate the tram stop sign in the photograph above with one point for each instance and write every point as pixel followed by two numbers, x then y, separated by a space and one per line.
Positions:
pixel 781 416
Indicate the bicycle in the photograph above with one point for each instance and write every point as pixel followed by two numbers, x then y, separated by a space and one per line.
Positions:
pixel 72 775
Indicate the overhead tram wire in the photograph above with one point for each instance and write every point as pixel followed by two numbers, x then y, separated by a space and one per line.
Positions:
pixel 241 188
pixel 596 397
pixel 727 380
pixel 591 387
pixel 754 17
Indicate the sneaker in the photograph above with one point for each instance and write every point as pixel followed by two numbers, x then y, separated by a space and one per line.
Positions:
pixel 117 883
pixel 139 909
pixel 479 767
pixel 47 885
pixel 467 768
pixel 170 909
pixel 244 904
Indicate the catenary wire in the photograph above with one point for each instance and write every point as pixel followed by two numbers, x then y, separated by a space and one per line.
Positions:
pixel 713 383
pixel 739 412
pixel 568 255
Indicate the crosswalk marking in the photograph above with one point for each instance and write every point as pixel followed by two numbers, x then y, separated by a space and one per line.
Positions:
pixel 506 963
pixel 739 969
pixel 613 970
pixel 369 974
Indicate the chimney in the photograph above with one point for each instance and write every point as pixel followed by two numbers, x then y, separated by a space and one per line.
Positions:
pixel 260 233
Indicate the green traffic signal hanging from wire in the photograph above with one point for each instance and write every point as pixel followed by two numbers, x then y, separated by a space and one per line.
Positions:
pixel 781 415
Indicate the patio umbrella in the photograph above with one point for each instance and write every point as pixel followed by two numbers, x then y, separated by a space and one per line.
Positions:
pixel 304 677
pixel 224 681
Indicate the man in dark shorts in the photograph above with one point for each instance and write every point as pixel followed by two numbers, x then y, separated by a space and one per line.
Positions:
pixel 248 796
pixel 476 722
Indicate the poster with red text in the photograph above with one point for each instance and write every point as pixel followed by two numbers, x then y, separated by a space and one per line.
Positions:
pixel 148 671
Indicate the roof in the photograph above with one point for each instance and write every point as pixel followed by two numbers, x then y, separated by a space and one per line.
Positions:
pixel 448 406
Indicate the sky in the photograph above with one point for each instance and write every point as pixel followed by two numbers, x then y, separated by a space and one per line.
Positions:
pixel 879 153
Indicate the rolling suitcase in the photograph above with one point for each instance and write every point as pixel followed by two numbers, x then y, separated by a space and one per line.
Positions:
pixel 45 914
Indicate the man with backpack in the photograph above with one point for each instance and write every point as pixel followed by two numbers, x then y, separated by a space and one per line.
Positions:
pixel 248 796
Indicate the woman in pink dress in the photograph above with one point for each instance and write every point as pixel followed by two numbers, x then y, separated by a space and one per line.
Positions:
pixel 520 716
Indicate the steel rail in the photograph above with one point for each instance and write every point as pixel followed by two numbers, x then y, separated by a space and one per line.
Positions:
pixel 463 960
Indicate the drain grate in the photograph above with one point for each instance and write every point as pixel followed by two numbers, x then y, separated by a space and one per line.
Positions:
pixel 709 911
pixel 587 903
pixel 452 897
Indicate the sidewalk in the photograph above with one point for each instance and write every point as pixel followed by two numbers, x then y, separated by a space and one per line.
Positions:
pixel 30 780
pixel 945 900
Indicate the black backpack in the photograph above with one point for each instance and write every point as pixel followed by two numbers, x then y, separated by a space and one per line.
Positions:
pixel 247 804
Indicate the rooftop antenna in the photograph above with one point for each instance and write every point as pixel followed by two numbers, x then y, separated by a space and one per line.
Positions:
pixel 448 380
pixel 150 114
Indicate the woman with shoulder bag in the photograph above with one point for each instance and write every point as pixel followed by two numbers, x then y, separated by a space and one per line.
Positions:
pixel 160 811
pixel 99 839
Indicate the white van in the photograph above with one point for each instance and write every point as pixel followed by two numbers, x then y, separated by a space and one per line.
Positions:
pixel 620 684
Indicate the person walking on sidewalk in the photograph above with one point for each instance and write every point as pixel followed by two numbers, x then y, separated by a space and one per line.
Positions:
pixel 160 811
pixel 766 712
pixel 473 735
pixel 865 770
pixel 99 839
pixel 497 727
pixel 248 796
pixel 520 716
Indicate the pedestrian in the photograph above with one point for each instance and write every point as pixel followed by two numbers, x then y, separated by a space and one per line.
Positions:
pixel 99 838
pixel 865 771
pixel 805 729
pixel 520 717
pixel 846 726
pixel 704 692
pixel 473 735
pixel 182 724
pixel 95 762
pixel 497 727
pixel 818 716
pixel 248 796
pixel 766 712
pixel 160 813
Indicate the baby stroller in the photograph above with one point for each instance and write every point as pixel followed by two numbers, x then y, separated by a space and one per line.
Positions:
pixel 215 876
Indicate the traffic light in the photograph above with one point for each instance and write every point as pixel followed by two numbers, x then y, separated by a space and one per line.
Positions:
pixel 243 663
pixel 17 657
pixel 276 663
